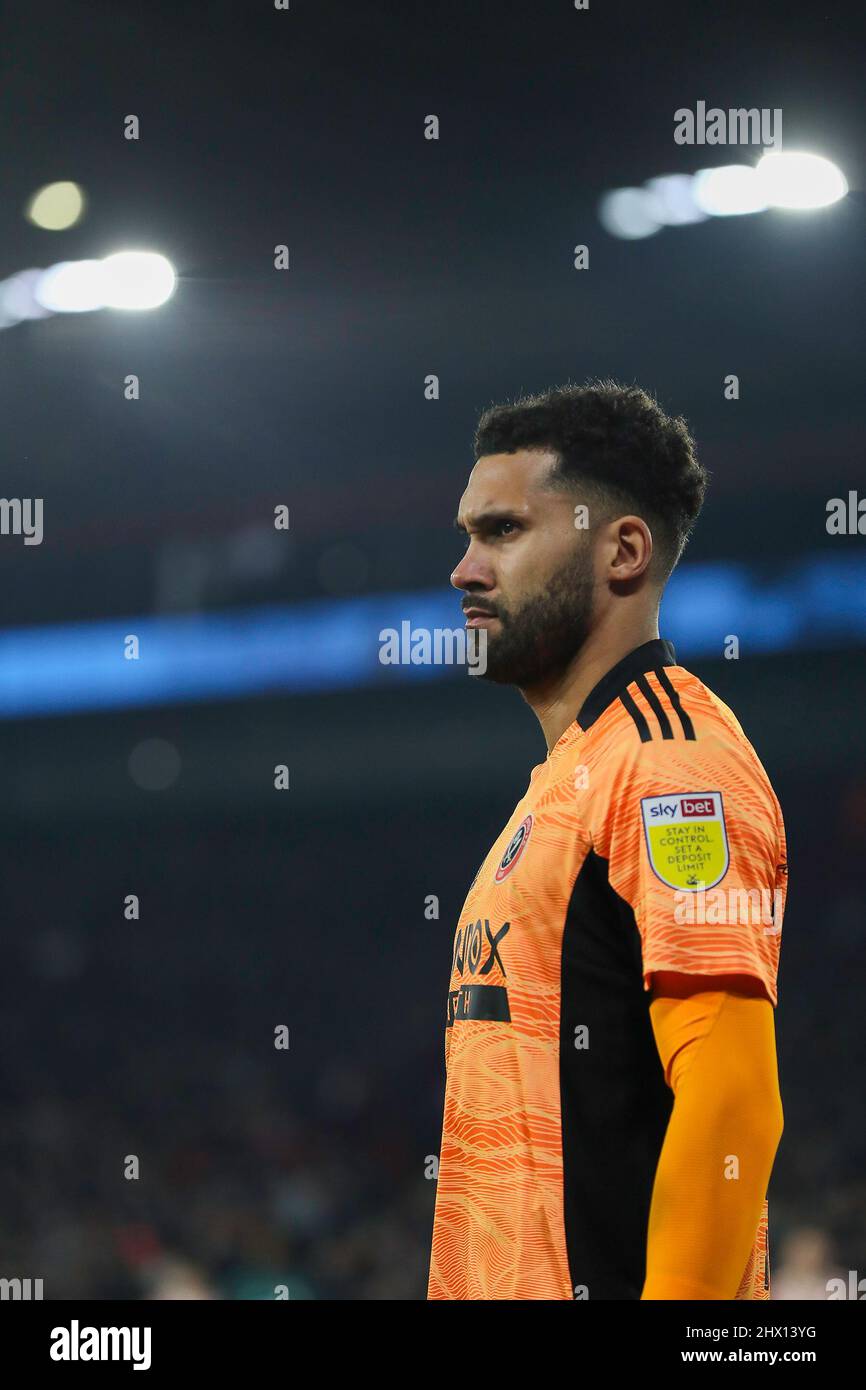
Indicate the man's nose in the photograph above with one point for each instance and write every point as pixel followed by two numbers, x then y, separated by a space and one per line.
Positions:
pixel 469 574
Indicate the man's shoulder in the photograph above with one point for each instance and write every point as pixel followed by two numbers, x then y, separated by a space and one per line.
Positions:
pixel 669 719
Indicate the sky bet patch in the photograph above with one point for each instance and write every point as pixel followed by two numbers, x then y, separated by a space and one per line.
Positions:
pixel 686 838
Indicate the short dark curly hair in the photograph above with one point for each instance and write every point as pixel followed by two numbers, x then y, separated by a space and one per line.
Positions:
pixel 617 443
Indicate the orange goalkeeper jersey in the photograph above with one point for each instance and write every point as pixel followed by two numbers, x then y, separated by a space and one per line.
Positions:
pixel 650 839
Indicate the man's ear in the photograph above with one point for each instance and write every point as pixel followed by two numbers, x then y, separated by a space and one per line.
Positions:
pixel 634 548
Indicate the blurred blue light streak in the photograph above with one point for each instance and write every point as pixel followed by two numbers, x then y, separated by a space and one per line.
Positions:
pixel 328 644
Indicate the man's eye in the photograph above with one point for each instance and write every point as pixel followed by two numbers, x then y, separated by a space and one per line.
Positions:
pixel 496 528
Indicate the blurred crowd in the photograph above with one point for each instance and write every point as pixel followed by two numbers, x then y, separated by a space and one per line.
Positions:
pixel 235 1196
pixel 155 1144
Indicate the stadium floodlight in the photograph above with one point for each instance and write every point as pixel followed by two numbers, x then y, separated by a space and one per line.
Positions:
pixel 786 179
pixel 729 191
pixel 675 200
pixel 56 206
pixel 797 180
pixel 629 213
pixel 127 280
pixel 71 287
pixel 18 299
pixel 137 280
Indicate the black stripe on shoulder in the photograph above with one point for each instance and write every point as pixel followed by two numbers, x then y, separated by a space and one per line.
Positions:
pixel 655 705
pixel 673 696
pixel 639 721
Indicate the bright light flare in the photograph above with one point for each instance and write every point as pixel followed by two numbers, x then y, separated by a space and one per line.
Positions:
pixel 630 213
pixel 793 179
pixel 729 191
pixel 18 298
pixel 56 206
pixel 137 280
pixel 675 204
pixel 71 287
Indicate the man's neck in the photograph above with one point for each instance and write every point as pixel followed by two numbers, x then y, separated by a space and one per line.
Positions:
pixel 557 704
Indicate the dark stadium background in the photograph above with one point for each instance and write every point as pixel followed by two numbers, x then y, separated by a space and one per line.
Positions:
pixel 155 1037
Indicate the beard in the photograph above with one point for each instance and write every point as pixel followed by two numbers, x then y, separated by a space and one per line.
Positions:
pixel 538 640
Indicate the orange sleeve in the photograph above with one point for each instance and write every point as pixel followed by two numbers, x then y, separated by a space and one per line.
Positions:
pixel 695 843
pixel 718 1051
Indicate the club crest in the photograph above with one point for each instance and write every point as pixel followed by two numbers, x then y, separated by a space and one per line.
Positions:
pixel 516 846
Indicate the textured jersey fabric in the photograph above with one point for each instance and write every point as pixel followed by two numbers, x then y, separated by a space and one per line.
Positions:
pixel 648 840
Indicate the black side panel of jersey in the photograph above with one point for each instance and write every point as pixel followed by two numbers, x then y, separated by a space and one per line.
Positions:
pixel 615 1101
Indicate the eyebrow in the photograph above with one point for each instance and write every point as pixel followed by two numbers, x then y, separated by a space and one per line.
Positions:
pixel 489 518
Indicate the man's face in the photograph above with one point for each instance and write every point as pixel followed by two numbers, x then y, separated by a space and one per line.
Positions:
pixel 527 572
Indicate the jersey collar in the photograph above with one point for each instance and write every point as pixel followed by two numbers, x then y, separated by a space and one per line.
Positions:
pixel 648 657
